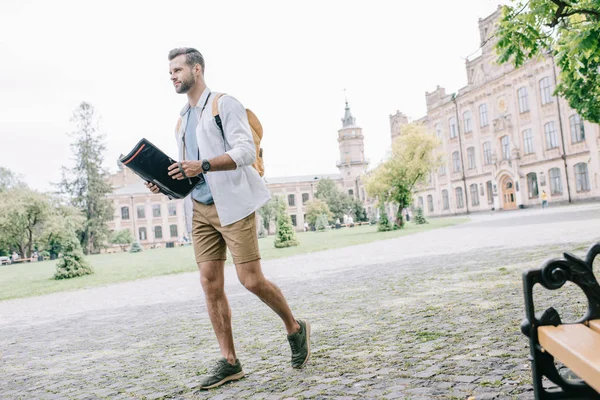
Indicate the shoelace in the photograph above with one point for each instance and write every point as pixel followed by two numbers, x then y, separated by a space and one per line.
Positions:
pixel 295 345
pixel 217 367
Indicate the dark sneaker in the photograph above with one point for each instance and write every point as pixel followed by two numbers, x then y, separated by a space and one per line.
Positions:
pixel 222 372
pixel 300 344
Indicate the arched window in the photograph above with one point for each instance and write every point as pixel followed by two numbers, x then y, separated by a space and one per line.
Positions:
pixel 532 185
pixel 430 203
pixel 445 199
pixel 460 202
pixel 581 177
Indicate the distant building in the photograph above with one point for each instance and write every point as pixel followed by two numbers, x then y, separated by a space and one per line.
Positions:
pixel 505 139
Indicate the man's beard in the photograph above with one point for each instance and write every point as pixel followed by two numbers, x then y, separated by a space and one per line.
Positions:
pixel 186 85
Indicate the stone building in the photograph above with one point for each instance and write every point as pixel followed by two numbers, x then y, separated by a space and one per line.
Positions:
pixel 506 139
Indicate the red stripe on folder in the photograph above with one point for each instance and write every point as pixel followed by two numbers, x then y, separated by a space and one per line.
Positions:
pixel 136 153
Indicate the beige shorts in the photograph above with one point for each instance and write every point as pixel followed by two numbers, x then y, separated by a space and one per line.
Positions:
pixel 211 240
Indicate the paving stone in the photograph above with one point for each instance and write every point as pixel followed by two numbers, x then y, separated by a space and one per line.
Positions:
pixel 421 316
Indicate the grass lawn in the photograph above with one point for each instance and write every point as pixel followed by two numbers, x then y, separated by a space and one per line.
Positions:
pixel 32 279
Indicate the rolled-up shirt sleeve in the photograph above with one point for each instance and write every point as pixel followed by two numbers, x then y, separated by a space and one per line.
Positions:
pixel 237 132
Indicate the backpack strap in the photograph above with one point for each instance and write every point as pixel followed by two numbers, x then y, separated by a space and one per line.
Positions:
pixel 215 111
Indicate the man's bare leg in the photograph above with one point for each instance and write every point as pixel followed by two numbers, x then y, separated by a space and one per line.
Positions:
pixel 212 277
pixel 251 276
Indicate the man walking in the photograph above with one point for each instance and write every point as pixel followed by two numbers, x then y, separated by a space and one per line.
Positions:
pixel 220 211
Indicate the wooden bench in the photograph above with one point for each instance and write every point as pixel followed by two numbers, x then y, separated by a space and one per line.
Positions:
pixel 19 260
pixel 577 344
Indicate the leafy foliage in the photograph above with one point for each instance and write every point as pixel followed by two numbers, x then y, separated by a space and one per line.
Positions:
pixel 411 161
pixel 284 235
pixel 321 223
pixel 570 32
pixel 87 182
pixel 72 263
pixel 316 208
pixel 136 247
pixel 123 238
pixel 384 223
pixel 420 218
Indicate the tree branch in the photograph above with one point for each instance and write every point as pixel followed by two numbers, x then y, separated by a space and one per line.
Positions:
pixel 560 12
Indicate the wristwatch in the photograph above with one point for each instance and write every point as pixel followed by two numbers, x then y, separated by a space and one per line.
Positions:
pixel 205 166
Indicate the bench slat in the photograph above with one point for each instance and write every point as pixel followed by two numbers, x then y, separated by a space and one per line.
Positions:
pixel 595 325
pixel 576 346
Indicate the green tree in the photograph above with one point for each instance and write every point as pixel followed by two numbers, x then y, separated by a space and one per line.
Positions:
pixel 420 218
pixel 23 216
pixel 136 247
pixel 321 223
pixel 570 32
pixel 284 235
pixel 9 180
pixel 123 238
pixel 384 224
pixel 411 161
pixel 358 211
pixel 72 262
pixel 63 224
pixel 87 182
pixel 268 213
pixel 339 202
pixel 315 208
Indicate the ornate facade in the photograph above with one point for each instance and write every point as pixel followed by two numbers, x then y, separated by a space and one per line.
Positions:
pixel 506 139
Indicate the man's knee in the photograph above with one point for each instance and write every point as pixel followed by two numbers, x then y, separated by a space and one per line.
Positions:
pixel 253 282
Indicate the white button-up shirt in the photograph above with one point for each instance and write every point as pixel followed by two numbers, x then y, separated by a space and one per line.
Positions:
pixel 236 193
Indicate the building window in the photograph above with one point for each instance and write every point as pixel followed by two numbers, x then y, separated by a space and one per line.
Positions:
pixel 460 202
pixel 445 199
pixel 124 212
pixel 453 128
pixel 577 132
pixel 532 185
pixel 555 182
pixel 293 219
pixel 430 203
pixel 474 194
pixel 523 100
pixel 551 137
pixel 172 209
pixel 142 234
pixel 442 170
pixel 156 210
pixel 438 130
pixel 471 157
pixel 157 232
pixel 581 177
pixel 362 194
pixel 141 212
pixel 546 90
pixel 351 193
pixel 291 200
pixel 505 142
pixel 420 202
pixel 527 141
pixel 483 115
pixel 304 197
pixel 490 194
pixel 487 153
pixel 467 119
pixel 173 229
pixel 456 161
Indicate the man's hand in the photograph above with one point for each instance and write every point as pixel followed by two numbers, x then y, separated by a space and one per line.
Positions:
pixel 153 188
pixel 191 168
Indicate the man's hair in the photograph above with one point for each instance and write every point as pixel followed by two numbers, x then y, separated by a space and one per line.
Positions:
pixel 192 56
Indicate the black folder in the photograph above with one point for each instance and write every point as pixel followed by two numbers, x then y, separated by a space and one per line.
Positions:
pixel 151 164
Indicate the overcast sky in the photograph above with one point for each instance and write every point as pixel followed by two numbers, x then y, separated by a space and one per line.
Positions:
pixel 287 61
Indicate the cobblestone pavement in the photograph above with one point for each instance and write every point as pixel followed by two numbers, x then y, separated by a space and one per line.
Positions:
pixel 433 315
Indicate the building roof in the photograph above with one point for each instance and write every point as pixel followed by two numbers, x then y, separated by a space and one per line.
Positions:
pixel 302 178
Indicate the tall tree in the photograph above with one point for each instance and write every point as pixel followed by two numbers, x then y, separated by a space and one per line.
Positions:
pixel 570 32
pixel 315 208
pixel 268 213
pixel 87 182
pixel 23 216
pixel 9 180
pixel 339 202
pixel 411 161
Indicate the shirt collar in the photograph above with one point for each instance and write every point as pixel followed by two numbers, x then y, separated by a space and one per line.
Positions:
pixel 201 102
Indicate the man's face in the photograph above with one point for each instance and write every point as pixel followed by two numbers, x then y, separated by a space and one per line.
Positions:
pixel 181 74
